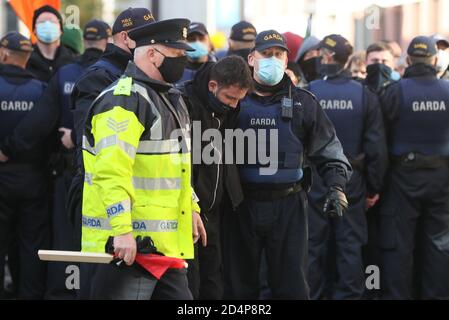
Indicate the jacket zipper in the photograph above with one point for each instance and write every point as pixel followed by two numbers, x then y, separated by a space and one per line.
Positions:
pixel 218 165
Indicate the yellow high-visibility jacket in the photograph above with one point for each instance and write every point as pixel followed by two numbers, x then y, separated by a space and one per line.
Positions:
pixel 136 152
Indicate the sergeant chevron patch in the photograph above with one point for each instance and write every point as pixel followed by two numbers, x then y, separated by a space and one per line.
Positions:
pixel 117 126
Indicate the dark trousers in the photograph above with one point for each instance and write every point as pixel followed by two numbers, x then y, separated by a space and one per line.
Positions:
pixel 279 227
pixel 74 208
pixel 414 234
pixel 62 238
pixel 205 272
pixel 23 198
pixel 335 244
pixel 132 283
pixel 370 251
pixel 13 261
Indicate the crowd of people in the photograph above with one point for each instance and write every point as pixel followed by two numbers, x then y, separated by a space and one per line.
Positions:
pixel 120 149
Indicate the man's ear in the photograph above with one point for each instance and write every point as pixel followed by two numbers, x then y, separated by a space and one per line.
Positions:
pixel 212 85
pixel 209 44
pixel 151 55
pixel 4 56
pixel 251 59
pixel 126 39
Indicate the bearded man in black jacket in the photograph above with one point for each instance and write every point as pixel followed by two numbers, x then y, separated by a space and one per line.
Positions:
pixel 214 95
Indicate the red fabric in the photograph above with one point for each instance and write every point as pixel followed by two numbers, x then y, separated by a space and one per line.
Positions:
pixel 25 10
pixel 157 265
pixel 294 42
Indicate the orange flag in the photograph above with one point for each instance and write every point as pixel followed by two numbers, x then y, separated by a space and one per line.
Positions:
pixel 25 9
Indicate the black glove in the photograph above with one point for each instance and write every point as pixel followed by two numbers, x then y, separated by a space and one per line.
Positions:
pixel 145 245
pixel 335 203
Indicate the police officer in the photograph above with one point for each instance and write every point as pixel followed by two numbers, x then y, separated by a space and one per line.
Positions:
pixel 49 55
pixel 142 123
pixel 23 196
pixel 96 78
pixel 414 220
pixel 198 39
pixel 241 40
pixel 289 123
pixel 52 112
pixel 356 115
pixel 214 97
pixel 96 34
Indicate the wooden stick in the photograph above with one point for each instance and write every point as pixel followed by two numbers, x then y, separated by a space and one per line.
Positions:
pixel 75 256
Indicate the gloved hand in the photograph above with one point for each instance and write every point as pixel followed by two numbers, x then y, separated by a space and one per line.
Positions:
pixel 335 203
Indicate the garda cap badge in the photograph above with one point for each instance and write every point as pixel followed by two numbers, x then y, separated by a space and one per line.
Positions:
pixel 249 30
pixel 128 22
pixel 148 17
pixel 330 42
pixel 25 45
pixel 273 36
pixel 420 46
pixel 184 32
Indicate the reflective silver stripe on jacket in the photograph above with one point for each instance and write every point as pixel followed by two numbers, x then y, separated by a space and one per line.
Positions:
pixel 138 225
pixel 115 141
pixel 155 225
pixel 88 177
pixel 86 146
pixel 156 128
pixel 119 208
pixel 96 223
pixel 159 146
pixel 157 183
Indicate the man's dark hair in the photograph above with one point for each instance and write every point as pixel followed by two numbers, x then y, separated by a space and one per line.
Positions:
pixel 425 60
pixel 232 71
pixel 379 46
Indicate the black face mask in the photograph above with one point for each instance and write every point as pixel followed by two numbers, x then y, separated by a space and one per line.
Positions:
pixel 132 51
pixel 241 53
pixel 358 79
pixel 172 68
pixel 377 75
pixel 217 106
pixel 310 68
pixel 330 70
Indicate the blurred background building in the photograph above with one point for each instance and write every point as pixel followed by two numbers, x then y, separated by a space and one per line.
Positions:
pixel 363 21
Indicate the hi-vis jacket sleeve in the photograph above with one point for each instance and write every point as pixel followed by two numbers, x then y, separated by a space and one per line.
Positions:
pixel 116 132
pixel 195 200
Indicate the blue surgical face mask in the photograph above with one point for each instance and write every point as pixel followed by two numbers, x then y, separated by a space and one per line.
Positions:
pixel 200 50
pixel 270 70
pixel 47 32
pixel 395 76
